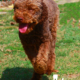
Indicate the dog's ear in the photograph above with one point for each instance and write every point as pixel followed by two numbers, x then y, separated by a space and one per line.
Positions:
pixel 44 14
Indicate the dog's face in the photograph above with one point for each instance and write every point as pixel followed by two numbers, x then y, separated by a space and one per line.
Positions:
pixel 27 13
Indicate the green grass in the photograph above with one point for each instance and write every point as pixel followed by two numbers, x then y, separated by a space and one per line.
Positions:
pixel 14 64
pixel 69 11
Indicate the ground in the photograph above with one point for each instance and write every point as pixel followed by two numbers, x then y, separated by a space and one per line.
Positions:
pixel 14 64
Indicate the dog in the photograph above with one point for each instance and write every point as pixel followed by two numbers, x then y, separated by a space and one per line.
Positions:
pixel 38 20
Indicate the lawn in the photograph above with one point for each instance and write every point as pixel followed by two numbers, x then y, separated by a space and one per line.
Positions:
pixel 14 64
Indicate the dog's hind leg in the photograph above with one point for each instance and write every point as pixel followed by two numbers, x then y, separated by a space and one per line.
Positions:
pixel 36 76
pixel 51 56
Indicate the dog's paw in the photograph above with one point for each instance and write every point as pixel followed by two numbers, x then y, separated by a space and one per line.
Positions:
pixel 50 71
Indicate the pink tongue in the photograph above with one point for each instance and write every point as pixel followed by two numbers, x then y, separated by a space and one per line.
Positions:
pixel 23 28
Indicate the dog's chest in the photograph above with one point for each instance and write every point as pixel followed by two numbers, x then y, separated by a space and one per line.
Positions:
pixel 33 38
pixel 30 40
pixel 31 43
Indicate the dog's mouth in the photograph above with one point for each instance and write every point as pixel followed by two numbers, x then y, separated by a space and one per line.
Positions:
pixel 25 28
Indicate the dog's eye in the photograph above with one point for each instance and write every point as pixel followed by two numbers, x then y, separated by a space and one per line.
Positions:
pixel 31 10
pixel 15 7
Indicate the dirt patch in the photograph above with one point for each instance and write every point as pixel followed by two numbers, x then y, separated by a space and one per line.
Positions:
pixel 3 12
pixel 72 75
pixel 65 1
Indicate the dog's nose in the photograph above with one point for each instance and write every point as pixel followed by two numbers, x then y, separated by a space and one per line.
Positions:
pixel 19 18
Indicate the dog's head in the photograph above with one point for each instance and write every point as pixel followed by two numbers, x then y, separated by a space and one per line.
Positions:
pixel 28 14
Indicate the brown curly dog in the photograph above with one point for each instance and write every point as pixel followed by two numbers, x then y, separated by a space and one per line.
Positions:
pixel 38 21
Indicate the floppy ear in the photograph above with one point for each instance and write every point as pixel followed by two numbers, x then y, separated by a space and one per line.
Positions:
pixel 44 14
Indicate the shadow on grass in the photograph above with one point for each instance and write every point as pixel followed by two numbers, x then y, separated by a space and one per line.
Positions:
pixel 19 74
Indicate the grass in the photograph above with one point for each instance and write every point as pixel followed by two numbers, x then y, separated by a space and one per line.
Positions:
pixel 14 64
pixel 69 11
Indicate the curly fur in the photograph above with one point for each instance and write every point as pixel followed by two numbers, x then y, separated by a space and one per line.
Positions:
pixel 39 39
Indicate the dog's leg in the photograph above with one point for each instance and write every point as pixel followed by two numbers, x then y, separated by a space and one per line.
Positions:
pixel 40 65
pixel 51 63
pixel 36 76
pixel 51 56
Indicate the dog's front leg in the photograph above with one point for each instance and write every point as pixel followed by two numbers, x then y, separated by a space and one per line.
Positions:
pixel 40 65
